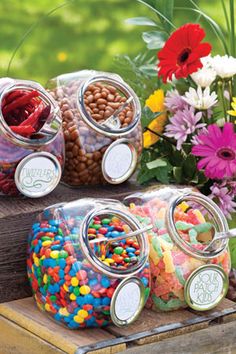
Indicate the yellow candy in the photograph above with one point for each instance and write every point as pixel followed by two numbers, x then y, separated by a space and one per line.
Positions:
pixel 105 262
pixel 47 307
pixel 46 243
pixel 72 297
pixel 54 254
pixel 132 206
pixel 109 260
pixel 63 311
pixel 184 206
pixel 153 255
pixel 78 319
pixel 168 261
pixel 166 246
pixel 74 281
pixel 199 215
pixel 82 313
pixel 65 287
pixel 36 261
pixel 161 213
pixel 45 278
pixel 84 289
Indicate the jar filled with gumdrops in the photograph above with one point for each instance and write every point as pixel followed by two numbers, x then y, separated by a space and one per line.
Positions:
pixel 189 257
pixel 101 123
pixel 88 263
pixel 31 139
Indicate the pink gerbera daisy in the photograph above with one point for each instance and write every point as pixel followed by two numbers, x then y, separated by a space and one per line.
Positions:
pixel 218 149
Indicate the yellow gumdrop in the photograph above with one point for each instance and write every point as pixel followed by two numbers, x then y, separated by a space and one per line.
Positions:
pixel 54 254
pixel 74 281
pixel 78 319
pixel 63 311
pixel 45 278
pixel 183 206
pixel 166 246
pixel 72 297
pixel 153 255
pixel 47 307
pixel 84 289
pixel 199 215
pixel 83 313
pixel 168 261
pixel 46 243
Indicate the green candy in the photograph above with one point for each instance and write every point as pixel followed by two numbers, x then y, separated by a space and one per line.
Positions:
pixel 60 232
pixel 169 305
pixel 127 260
pixel 96 226
pixel 159 224
pixel 166 237
pixel 146 293
pixel 179 275
pixel 183 226
pixel 46 238
pixel 118 250
pixel 106 221
pixel 204 227
pixel 156 245
pixel 63 254
pixel 193 236
pixel 53 298
pixel 76 291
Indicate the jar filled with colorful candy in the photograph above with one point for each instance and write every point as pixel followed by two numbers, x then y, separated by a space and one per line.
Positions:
pixel 88 263
pixel 101 125
pixel 31 139
pixel 187 267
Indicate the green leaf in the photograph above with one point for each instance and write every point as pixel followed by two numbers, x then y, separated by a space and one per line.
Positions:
pixel 189 166
pixel 154 39
pixel 162 174
pixel 141 21
pixel 145 175
pixel 166 7
pixel 148 116
pixel 187 147
pixel 156 163
pixel 177 173
pixel 182 86
pixel 176 158
pixel 149 69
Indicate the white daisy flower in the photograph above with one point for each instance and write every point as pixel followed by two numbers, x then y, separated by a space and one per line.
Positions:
pixel 206 75
pixel 200 99
pixel 225 66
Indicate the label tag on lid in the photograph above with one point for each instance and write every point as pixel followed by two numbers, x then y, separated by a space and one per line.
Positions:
pixel 206 287
pixel 127 302
pixel 38 174
pixel 119 161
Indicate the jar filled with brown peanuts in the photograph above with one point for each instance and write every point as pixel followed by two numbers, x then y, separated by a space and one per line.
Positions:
pixel 101 124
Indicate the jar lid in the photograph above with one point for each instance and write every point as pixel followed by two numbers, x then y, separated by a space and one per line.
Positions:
pixel 119 161
pixel 38 174
pixel 127 302
pixel 206 287
pixel 110 125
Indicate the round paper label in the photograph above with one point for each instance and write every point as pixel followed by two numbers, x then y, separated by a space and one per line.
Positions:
pixel 118 161
pixel 37 174
pixel 127 302
pixel 206 287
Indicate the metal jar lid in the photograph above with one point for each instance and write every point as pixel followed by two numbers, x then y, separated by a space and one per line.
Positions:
pixel 38 174
pixel 119 161
pixel 127 302
pixel 206 287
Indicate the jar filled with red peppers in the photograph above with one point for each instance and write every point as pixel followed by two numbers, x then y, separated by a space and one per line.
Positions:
pixel 31 139
pixel 101 124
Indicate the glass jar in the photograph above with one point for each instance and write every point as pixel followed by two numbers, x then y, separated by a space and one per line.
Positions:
pixel 101 124
pixel 84 266
pixel 184 268
pixel 31 139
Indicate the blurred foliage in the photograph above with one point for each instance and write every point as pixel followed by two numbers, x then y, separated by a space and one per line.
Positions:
pixel 82 34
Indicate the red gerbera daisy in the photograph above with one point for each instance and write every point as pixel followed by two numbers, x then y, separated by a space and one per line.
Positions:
pixel 182 52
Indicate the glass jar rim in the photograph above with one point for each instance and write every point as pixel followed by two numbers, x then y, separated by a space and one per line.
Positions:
pixel 214 211
pixel 124 88
pixel 88 252
pixel 55 111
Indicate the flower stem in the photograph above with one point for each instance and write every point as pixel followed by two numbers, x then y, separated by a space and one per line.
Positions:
pixel 161 136
pixel 221 89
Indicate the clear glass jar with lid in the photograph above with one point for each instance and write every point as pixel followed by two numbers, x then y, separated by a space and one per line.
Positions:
pixel 186 270
pixel 88 263
pixel 101 123
pixel 31 139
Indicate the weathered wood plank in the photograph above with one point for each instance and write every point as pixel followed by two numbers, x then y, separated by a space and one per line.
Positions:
pixel 24 313
pixel 14 339
pixel 211 340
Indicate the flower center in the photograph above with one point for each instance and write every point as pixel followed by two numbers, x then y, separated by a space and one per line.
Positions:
pixel 183 56
pixel 226 154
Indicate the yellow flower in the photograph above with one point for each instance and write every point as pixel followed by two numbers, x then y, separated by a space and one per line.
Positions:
pixel 233 104
pixel 62 56
pixel 156 104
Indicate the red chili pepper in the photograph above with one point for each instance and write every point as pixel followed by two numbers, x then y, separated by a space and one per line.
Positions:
pixel 25 130
pixel 19 102
pixel 13 95
pixel 33 118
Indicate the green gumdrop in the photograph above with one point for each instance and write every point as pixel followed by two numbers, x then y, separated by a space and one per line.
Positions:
pixel 118 250
pixel 106 221
pixel 183 226
pixel 179 275
pixel 204 227
pixel 156 245
pixel 193 236
pixel 166 237
pixel 76 291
